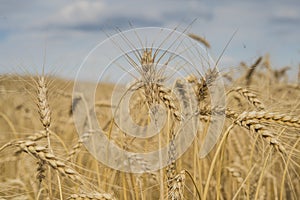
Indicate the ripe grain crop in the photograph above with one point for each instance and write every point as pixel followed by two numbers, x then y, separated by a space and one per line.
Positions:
pixel 256 156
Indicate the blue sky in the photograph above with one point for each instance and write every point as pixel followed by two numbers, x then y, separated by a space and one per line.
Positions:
pixel 69 29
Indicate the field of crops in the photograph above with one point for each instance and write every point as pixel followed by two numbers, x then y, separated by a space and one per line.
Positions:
pixel 42 156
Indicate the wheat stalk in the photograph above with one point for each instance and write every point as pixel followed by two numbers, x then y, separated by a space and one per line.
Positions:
pixel 91 196
pixel 45 118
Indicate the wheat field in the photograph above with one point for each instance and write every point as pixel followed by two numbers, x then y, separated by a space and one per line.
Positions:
pixel 256 157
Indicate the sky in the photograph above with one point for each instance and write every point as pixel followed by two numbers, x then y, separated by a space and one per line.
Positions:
pixel 65 31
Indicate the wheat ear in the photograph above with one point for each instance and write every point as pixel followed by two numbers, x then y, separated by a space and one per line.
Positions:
pixel 43 105
pixel 166 97
pixel 260 129
pixel 202 85
pixel 76 148
pixel 251 97
pixel 270 117
pixel 200 39
pixel 177 188
pixel 157 93
pixel 45 118
pixel 207 111
pixel 251 70
pixel 32 138
pixel 171 168
pixel 42 154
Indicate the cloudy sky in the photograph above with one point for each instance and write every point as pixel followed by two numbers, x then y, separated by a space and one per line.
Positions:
pixel 69 29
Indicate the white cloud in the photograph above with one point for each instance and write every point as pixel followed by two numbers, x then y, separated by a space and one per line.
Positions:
pixel 78 12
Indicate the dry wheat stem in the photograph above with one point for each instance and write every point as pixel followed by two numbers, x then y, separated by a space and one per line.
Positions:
pixel 91 196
